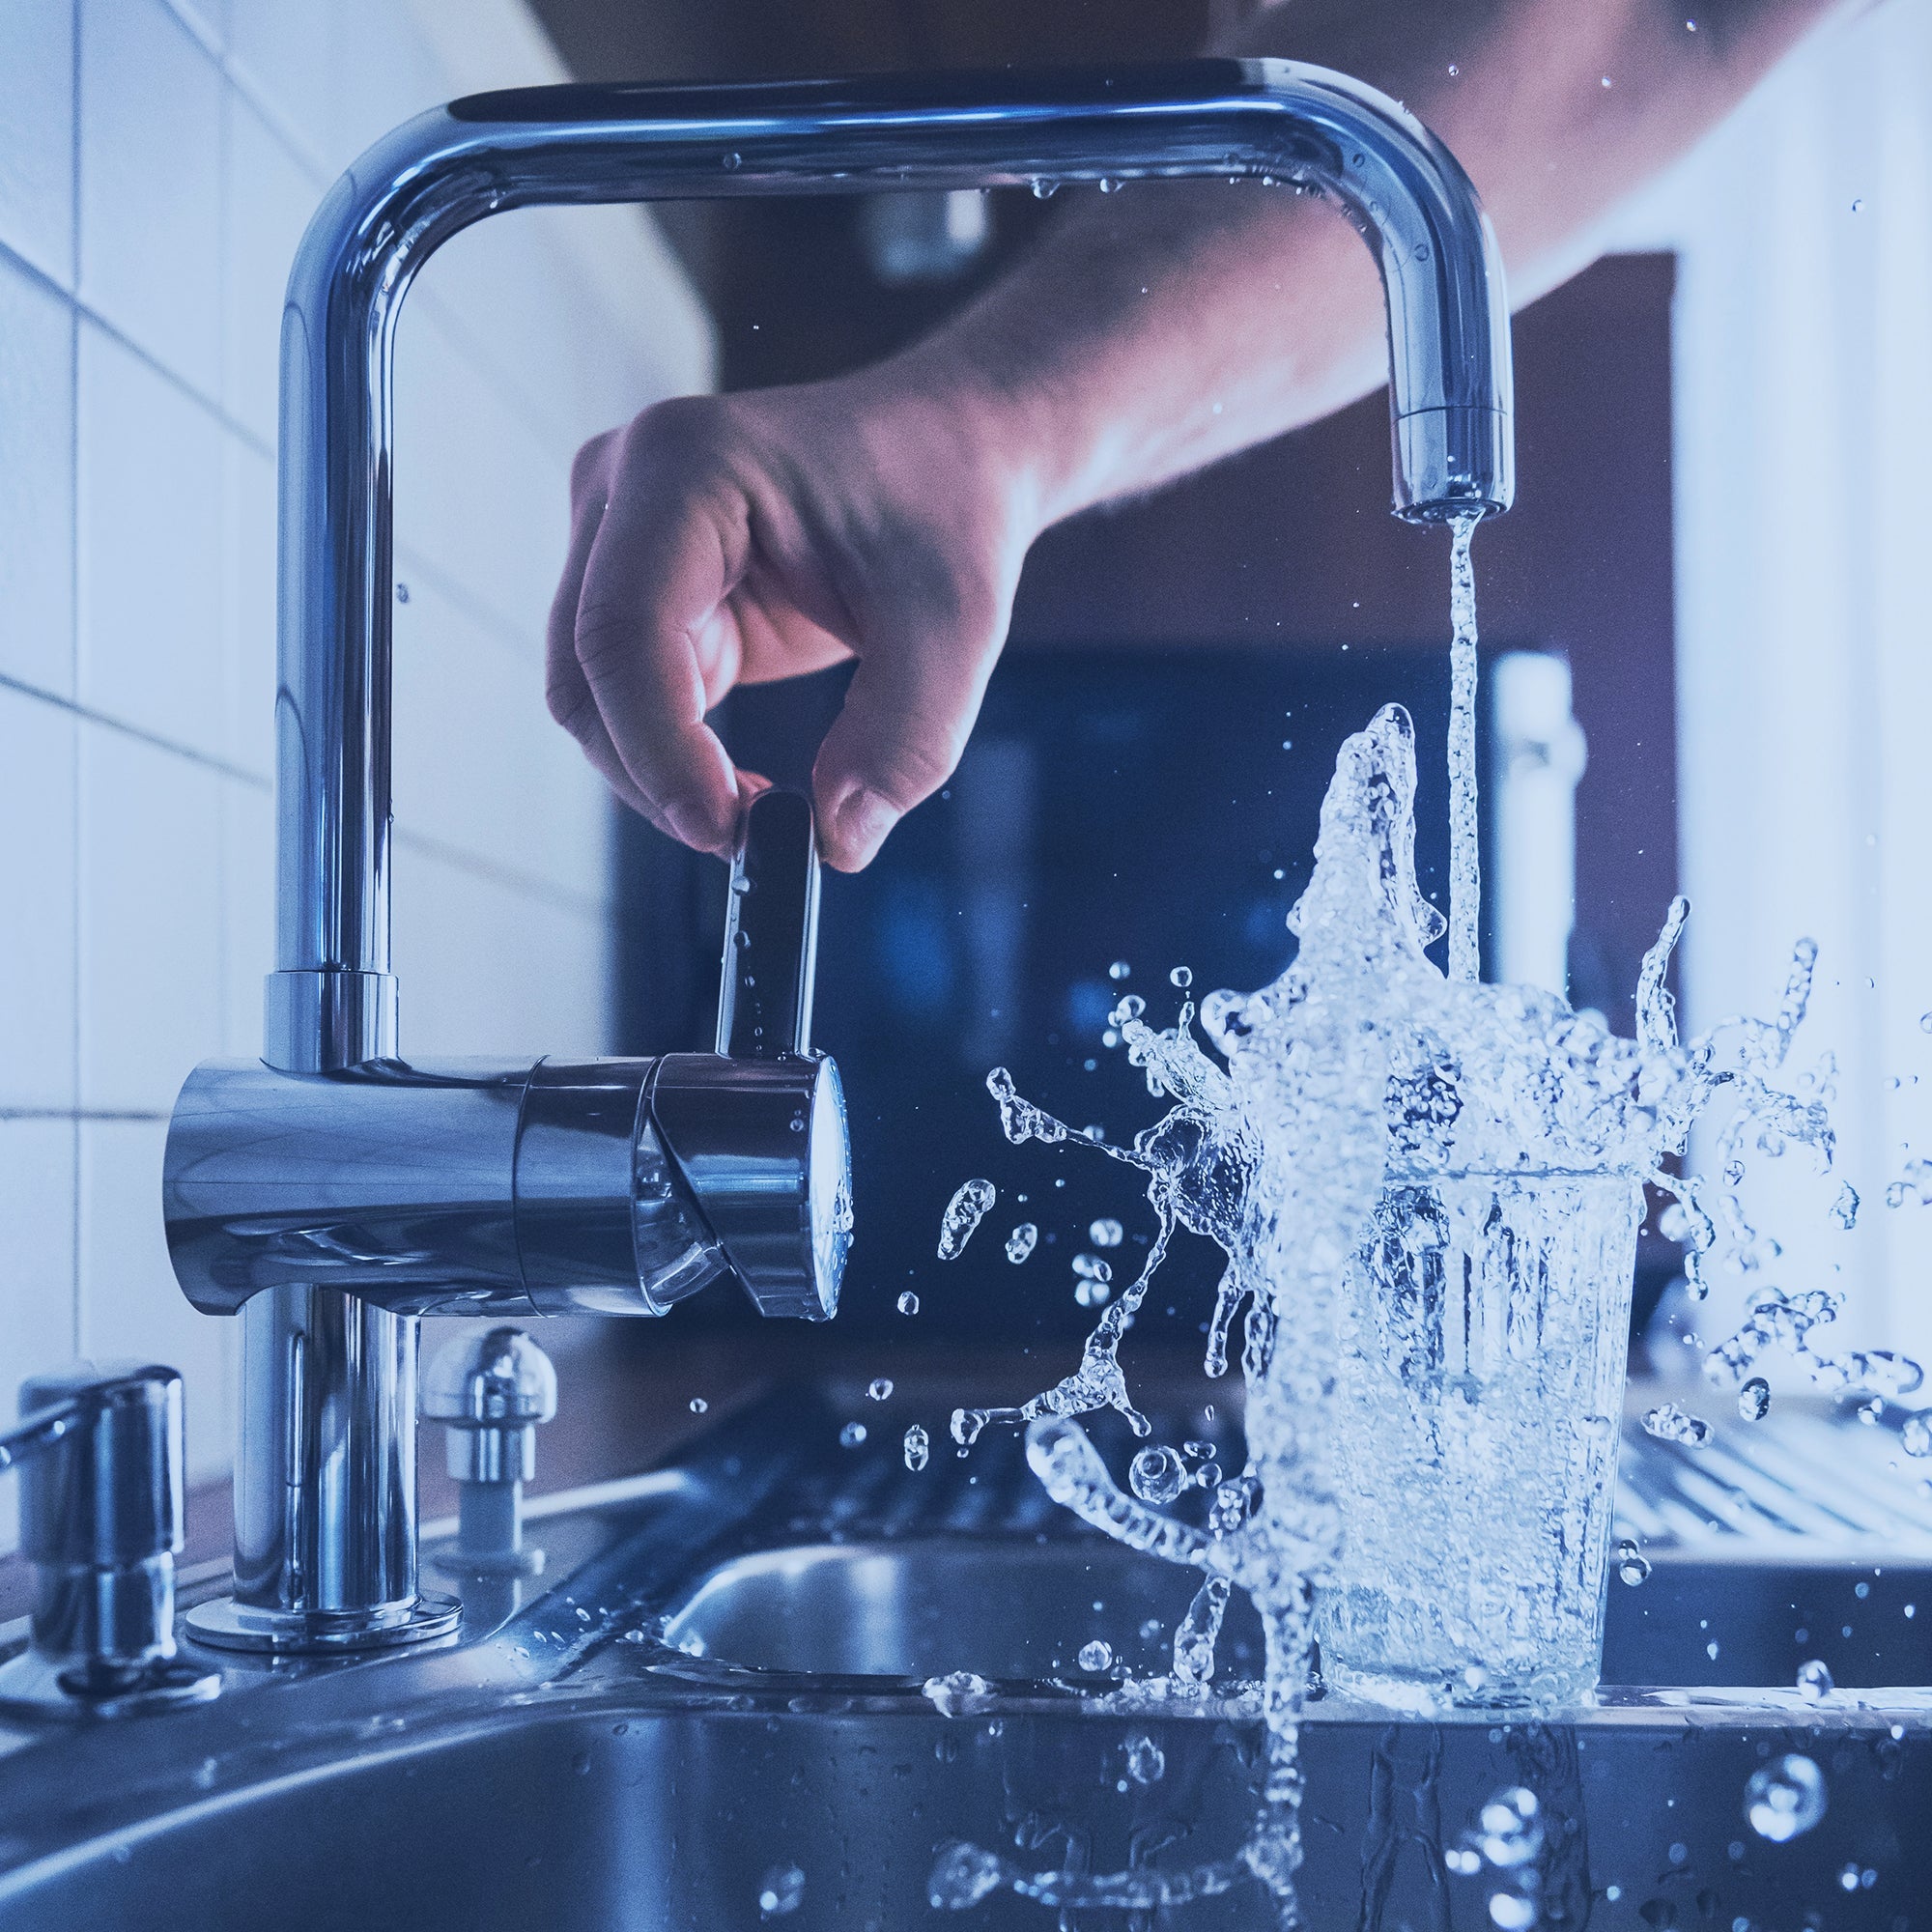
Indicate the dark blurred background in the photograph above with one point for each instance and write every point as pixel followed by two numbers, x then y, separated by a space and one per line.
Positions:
pixel 1127 796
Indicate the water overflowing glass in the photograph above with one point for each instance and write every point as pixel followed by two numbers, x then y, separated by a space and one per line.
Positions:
pixel 1428 1191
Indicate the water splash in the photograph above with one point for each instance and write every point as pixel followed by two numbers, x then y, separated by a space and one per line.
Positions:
pixel 1374 1130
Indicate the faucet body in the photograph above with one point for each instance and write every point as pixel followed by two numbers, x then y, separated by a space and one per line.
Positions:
pixel 325 1480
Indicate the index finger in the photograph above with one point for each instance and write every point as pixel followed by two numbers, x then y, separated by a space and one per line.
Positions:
pixel 657 644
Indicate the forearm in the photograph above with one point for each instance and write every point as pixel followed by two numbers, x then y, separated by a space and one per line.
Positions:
pixel 1164 327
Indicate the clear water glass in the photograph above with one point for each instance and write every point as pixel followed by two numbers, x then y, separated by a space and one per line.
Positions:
pixel 1483 1344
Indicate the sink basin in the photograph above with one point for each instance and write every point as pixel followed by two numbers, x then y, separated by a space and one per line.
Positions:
pixel 1015 1610
pixel 603 1814
pixel 1006 1610
pixel 576 1769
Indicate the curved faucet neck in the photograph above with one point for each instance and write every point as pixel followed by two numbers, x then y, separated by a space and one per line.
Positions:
pixel 332 1001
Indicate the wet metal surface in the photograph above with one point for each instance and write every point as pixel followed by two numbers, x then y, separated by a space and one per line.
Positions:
pixel 574 1768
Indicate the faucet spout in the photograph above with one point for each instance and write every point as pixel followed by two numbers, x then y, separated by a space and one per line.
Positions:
pixel 333 1002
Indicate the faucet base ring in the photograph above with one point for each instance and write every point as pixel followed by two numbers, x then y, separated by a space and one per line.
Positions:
pixel 226 1624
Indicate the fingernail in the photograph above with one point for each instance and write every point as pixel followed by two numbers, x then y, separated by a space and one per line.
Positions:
pixel 862 823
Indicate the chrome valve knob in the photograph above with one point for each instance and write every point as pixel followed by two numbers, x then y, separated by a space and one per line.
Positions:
pixel 602 1187
pixel 490 1390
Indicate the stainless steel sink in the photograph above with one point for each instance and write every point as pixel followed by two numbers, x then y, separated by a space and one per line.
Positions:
pixel 577 1769
pixel 1006 1610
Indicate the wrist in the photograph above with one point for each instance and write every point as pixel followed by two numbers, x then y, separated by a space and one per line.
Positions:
pixel 1007 445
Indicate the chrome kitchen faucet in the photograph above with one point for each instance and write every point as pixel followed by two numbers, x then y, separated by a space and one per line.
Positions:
pixel 331 1192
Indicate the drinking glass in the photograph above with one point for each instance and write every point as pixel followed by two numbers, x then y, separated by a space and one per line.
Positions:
pixel 1480 1387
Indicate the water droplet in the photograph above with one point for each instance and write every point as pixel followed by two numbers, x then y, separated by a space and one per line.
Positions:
pixel 879 1387
pixel 1670 1424
pixel 1734 1172
pixel 1156 1475
pixel 780 1890
pixel 962 1875
pixel 1607 80
pixel 1784 1800
pixel 402 593
pixel 1814 1680
pixel 1869 1411
pixel 1108 186
pixel 1089 1294
pixel 1845 1208
pixel 1454 69
pixel 1754 1400
pixel 1020 1242
pixel 1095 1657
pixel 732 163
pixel 1208 1475
pixel 1925 1022
pixel 964 1212
pixel 1511 1911
pixel 1106 1233
pixel 1119 971
pixel 1915 1437
pixel 1146 1762
pixel 908 1302
pixel 966 1425
pixel 1674 1223
pixel 1857 205
pixel 1042 189
pixel 917 1448
pixel 1182 976
pixel 1690 27
pixel 1510 1828
pixel 699 1405
pixel 1092 1268
pixel 1631 1568
pixel 852 1435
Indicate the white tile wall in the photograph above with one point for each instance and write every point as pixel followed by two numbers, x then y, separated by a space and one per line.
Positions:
pixel 152 108
pixel 159 160
pixel 36 480
pixel 36 60
pixel 149 578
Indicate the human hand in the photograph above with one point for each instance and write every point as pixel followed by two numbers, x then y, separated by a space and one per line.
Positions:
pixel 718 540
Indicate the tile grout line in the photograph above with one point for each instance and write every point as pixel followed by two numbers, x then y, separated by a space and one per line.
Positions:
pixel 79 1113
pixel 221 767
pixel 77 1310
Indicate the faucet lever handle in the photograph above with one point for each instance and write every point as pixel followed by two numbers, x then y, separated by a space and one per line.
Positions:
pixel 771 931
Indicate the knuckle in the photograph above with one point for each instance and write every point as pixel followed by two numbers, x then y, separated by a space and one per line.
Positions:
pixel 915 764
pixel 569 703
pixel 604 634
